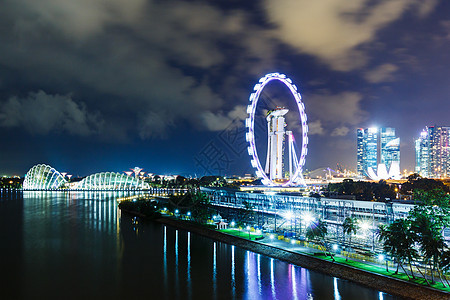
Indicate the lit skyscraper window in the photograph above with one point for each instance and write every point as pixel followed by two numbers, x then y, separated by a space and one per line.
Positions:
pixel 433 152
pixel 367 151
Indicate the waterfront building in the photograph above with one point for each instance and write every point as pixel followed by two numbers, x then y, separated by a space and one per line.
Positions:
pixel 367 153
pixel 433 152
pixel 44 177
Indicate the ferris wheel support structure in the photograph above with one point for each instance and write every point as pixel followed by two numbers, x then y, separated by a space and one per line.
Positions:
pixel 296 177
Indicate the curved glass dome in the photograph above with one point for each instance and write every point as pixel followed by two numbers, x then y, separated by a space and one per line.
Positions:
pixel 110 181
pixel 43 177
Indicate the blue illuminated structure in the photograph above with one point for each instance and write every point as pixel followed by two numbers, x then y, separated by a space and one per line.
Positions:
pixel 44 177
pixel 110 181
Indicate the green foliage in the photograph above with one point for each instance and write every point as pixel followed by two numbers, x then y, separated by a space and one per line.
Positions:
pixel 11 182
pixel 435 197
pixel 421 232
pixel 317 230
pixel 195 202
pixel 350 226
pixel 363 190
pixel 416 183
pixel 399 239
pixel 148 208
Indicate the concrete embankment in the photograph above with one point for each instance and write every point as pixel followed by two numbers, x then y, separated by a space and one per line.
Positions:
pixel 387 284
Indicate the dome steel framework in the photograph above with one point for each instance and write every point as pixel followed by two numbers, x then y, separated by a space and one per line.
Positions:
pixel 43 177
pixel 110 181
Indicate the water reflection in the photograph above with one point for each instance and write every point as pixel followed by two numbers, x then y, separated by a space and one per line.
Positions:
pixel 189 285
pixel 165 259
pixel 272 279
pixel 78 244
pixel 337 296
pixel 214 270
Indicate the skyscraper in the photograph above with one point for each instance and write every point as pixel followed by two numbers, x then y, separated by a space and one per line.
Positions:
pixel 367 141
pixel 367 151
pixel 390 148
pixel 360 151
pixel 433 152
pixel 422 160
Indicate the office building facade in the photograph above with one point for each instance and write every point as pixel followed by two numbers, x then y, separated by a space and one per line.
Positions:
pixel 367 151
pixel 433 152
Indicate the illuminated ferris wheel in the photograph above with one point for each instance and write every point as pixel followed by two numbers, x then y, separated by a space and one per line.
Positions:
pixel 271 174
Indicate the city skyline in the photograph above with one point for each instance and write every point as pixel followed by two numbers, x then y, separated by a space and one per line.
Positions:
pixel 378 153
pixel 88 88
pixel 433 152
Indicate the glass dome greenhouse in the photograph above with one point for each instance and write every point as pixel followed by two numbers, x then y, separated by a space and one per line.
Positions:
pixel 110 181
pixel 43 177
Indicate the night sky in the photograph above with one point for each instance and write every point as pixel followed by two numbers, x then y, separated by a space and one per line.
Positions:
pixel 94 85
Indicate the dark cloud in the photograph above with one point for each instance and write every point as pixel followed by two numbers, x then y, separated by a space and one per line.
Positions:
pixel 383 73
pixel 140 70
pixel 40 113
pixel 337 109
pixel 334 30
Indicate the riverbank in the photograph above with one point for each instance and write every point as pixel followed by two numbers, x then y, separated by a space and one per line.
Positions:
pixel 376 281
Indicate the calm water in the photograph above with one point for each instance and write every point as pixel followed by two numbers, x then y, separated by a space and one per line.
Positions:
pixel 58 245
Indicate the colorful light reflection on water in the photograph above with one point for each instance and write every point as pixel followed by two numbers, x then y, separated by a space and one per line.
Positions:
pixel 80 246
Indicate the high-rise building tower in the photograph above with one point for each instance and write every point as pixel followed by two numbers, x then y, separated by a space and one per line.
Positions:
pixel 367 141
pixel 390 148
pixel 422 154
pixel 367 151
pixel 360 151
pixel 433 152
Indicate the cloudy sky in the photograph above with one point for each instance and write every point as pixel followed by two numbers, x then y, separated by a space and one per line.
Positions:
pixel 106 85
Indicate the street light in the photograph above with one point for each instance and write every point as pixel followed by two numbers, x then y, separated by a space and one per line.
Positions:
pixel 309 218
pixel 382 258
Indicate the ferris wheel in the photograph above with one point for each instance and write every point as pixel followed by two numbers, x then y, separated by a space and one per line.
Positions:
pixel 296 165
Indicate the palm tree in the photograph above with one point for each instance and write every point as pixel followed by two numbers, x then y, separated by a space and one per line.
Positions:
pixel 318 231
pixel 398 240
pixel 431 241
pixel 349 227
